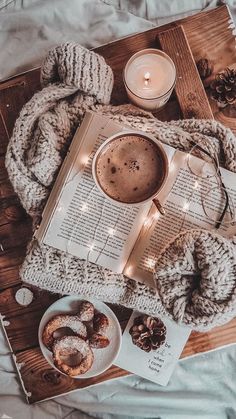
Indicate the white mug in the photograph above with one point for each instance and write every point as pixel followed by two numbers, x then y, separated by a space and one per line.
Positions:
pixel 122 134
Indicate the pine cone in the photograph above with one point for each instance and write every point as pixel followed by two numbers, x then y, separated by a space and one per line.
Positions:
pixel 205 68
pixel 148 333
pixel 223 88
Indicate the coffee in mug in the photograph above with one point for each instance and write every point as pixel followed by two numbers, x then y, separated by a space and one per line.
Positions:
pixel 130 167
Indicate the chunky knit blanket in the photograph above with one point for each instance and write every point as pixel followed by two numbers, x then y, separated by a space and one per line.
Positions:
pixel 73 81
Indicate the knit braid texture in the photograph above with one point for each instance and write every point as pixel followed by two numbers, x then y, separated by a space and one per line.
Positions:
pixel 195 278
pixel 198 290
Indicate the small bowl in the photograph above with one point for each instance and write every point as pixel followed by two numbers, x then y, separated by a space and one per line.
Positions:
pixel 103 358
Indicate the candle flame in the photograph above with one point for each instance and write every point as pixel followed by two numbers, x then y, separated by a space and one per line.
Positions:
pixel 147 76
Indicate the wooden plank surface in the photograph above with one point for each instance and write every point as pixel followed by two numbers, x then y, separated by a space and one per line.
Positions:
pixel 40 378
pixel 209 35
pixel 215 338
pixel 189 89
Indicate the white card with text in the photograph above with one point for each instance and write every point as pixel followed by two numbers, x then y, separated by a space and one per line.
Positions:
pixel 156 365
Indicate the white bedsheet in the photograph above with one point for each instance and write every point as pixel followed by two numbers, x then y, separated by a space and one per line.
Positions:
pixel 202 387
pixel 28 28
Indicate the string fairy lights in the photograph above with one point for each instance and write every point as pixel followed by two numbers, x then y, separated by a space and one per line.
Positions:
pixel 84 208
pixel 186 206
pixel 111 231
pixel 196 185
pixel 129 270
pixel 151 218
pixel 91 247
pixel 151 263
pixel 212 171
pixel 85 159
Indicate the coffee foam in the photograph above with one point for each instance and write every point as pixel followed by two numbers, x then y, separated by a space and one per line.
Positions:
pixel 131 169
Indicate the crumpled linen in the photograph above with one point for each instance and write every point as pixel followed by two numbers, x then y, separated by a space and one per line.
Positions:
pixel 202 387
pixel 29 28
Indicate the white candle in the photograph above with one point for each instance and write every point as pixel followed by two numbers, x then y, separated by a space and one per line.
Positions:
pixel 149 78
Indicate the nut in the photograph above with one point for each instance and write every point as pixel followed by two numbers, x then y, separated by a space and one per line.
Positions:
pixel 100 322
pixel 98 341
pixel 86 311
pixel 205 68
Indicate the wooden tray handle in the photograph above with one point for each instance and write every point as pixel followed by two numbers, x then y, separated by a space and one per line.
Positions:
pixel 189 89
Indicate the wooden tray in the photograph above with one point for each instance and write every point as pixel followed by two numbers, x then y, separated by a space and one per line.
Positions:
pixel 205 35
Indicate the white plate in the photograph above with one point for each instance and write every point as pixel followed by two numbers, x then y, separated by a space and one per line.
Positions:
pixel 103 358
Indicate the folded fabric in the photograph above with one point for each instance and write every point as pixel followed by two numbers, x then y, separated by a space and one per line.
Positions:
pixel 196 278
pixel 74 81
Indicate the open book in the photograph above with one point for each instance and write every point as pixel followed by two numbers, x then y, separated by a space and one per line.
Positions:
pixel 78 218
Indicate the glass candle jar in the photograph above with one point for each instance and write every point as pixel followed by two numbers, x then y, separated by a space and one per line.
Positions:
pixel 149 78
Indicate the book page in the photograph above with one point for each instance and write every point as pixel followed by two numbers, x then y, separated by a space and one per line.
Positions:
pixel 84 222
pixel 194 201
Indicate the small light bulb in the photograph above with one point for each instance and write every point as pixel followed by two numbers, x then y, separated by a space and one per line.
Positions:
pixel 156 215
pixel 150 263
pixel 129 270
pixel 172 167
pixel 146 222
pixel 111 231
pixel 84 207
pixel 84 159
pixel 186 206
pixel 196 185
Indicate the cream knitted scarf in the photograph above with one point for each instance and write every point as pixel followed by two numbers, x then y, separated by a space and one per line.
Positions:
pixel 73 81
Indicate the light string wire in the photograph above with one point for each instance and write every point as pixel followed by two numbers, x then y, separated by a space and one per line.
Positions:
pixel 196 186
pixel 112 229
pixel 186 206
pixel 217 175
pixel 111 232
pixel 195 146
pixel 84 209
pixel 85 206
